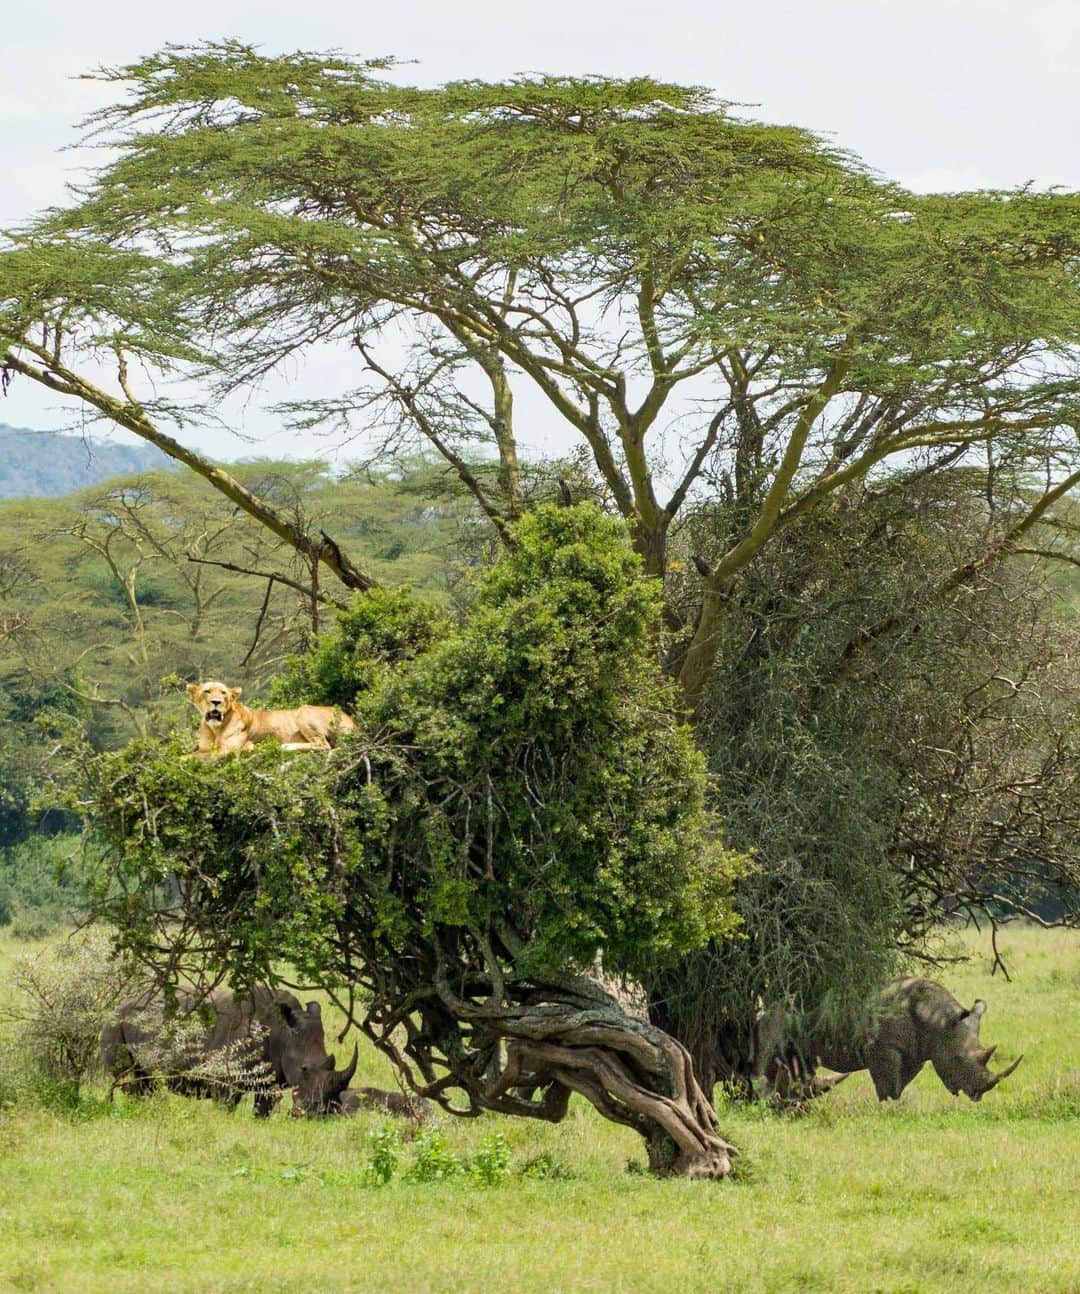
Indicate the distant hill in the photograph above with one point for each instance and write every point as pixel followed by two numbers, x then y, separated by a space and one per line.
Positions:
pixel 48 464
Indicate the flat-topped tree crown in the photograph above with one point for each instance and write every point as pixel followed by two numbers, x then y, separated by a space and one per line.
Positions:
pixel 705 301
pixel 743 304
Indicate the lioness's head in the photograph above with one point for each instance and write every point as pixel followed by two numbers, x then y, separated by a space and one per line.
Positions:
pixel 213 700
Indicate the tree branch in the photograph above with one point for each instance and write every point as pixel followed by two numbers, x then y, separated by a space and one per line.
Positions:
pixel 133 418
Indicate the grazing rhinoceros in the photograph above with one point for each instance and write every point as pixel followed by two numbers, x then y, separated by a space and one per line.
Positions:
pixel 916 1021
pixel 259 1042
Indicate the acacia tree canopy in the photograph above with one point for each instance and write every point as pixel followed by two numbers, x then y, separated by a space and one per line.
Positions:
pixel 518 798
pixel 718 310
pixel 745 301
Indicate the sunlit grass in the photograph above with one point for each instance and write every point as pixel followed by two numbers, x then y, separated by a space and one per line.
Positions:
pixel 933 1193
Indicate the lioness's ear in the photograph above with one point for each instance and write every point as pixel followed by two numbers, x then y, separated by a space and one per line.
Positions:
pixel 192 688
pixel 234 692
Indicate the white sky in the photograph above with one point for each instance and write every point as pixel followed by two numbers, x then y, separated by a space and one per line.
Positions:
pixel 938 94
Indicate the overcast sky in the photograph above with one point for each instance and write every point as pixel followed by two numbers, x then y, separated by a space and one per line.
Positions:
pixel 937 94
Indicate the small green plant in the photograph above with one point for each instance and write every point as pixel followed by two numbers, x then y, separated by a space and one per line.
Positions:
pixel 491 1162
pixel 545 1167
pixel 385 1154
pixel 434 1161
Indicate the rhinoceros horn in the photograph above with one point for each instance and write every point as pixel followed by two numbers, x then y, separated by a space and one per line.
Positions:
pixel 1003 1073
pixel 340 1081
pixel 822 1083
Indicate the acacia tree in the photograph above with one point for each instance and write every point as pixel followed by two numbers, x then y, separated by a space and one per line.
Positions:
pixel 621 247
pixel 518 795
pixel 713 307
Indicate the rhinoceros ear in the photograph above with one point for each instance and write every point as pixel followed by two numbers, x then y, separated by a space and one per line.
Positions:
pixel 975 1015
pixel 314 1010
pixel 972 1018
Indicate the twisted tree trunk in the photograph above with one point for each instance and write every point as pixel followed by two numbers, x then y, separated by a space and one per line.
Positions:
pixel 526 1059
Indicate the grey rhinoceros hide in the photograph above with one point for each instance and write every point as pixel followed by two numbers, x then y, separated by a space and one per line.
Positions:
pixel 261 1041
pixel 915 1021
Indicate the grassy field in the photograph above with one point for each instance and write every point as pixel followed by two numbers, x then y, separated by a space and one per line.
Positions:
pixel 934 1193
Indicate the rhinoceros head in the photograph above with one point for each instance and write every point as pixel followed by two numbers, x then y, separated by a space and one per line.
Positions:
pixel 962 1063
pixel 308 1067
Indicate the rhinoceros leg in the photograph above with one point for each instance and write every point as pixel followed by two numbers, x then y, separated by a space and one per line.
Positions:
pixel 908 1070
pixel 885 1064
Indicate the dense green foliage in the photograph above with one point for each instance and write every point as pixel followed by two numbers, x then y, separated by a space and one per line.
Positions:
pixel 735 321
pixel 379 631
pixel 931 771
pixel 705 302
pixel 519 783
pixel 519 797
pixel 41 884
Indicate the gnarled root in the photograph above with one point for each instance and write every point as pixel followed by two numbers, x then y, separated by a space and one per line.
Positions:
pixel 525 1057
pixel 635 1076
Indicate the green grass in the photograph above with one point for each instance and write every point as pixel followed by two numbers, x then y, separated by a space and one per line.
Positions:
pixel 934 1193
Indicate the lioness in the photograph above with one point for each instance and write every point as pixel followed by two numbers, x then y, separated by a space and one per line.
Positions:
pixel 229 726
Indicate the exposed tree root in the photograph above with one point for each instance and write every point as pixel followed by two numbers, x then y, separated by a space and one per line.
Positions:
pixel 527 1059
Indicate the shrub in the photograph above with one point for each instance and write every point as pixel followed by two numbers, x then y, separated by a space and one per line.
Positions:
pixel 433 1160
pixel 385 1154
pixel 491 1162
pixel 519 794
pixel 545 1167
pixel 66 994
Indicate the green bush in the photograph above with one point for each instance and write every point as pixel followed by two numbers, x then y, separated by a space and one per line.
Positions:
pixel 433 1160
pixel 520 793
pixel 64 996
pixel 385 1154
pixel 490 1163
pixel 545 1167
pixel 525 770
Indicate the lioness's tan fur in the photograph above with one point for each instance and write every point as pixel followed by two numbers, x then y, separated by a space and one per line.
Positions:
pixel 229 726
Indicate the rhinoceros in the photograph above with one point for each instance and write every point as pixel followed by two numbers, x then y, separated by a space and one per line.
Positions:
pixel 915 1021
pixel 261 1041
